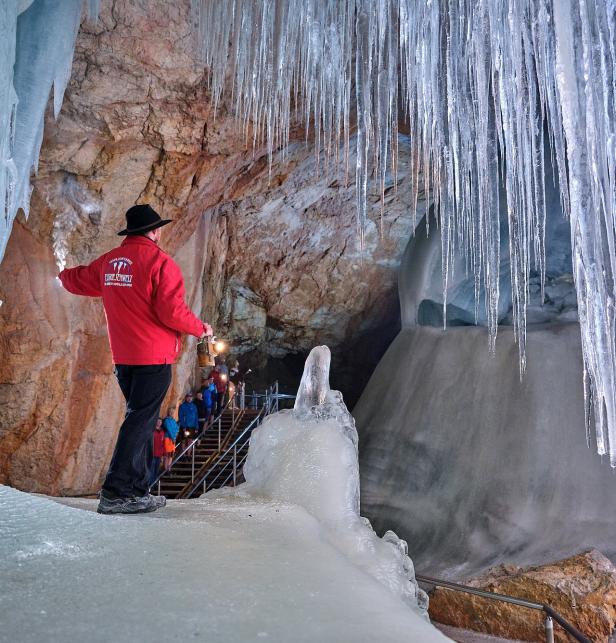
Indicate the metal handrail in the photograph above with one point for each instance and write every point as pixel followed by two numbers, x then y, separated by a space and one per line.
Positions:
pixel 264 411
pixel 222 442
pixel 551 614
pixel 271 399
pixel 238 465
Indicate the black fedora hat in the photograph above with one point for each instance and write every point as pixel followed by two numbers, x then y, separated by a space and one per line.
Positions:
pixel 142 218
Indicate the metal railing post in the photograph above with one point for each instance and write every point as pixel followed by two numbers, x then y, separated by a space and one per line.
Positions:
pixel 276 385
pixel 234 465
pixel 192 475
pixel 219 429
pixel 159 486
pixel 549 629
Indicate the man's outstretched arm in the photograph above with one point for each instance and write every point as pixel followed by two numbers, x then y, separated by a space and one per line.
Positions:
pixel 84 280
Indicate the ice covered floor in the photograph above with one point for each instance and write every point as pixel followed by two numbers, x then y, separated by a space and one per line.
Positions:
pixel 226 569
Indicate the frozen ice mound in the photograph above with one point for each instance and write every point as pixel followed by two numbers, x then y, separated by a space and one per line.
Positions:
pixel 308 457
pixel 227 569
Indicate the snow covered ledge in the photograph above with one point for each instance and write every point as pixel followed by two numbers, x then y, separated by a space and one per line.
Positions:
pixel 283 557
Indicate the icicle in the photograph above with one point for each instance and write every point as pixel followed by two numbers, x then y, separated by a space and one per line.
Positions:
pixel 480 83
pixel 36 54
pixel 586 84
pixel 8 104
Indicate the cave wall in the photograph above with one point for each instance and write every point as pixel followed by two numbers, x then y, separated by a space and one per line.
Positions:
pixel 269 259
pixel 295 276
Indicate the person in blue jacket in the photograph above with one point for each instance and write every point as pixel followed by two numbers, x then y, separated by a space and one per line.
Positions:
pixel 171 428
pixel 209 397
pixel 188 416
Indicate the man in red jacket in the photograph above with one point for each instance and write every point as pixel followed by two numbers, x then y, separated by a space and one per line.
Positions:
pixel 143 296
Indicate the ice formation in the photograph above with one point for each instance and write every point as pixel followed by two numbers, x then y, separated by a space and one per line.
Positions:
pixel 37 40
pixel 483 83
pixel 314 385
pixel 224 570
pixel 308 457
pixel 285 556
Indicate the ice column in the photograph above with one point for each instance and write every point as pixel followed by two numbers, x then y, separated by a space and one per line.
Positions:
pixel 314 385
pixel 308 457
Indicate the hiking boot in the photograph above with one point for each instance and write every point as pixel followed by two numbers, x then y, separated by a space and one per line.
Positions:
pixel 160 501
pixel 134 505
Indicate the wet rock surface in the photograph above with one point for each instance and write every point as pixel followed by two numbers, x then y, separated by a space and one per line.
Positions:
pixel 581 588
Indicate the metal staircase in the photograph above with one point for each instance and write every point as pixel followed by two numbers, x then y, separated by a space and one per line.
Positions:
pixel 216 456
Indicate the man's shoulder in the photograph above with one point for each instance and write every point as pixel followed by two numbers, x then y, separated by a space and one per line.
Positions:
pixel 140 249
pixel 166 262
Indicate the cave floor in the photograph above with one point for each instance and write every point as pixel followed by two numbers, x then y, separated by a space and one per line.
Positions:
pixel 214 570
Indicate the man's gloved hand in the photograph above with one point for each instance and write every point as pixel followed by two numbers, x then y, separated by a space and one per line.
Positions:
pixel 207 331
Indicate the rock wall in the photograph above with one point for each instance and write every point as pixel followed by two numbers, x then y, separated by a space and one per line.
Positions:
pixel 270 260
pixel 582 589
pixel 295 277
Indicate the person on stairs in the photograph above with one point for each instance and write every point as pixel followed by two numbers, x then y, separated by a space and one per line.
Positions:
pixel 220 382
pixel 143 296
pixel 208 391
pixel 189 420
pixel 158 450
pixel 171 428
pixel 203 412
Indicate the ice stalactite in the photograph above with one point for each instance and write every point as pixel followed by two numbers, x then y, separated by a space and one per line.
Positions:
pixel 481 84
pixel 586 80
pixel 8 103
pixel 37 40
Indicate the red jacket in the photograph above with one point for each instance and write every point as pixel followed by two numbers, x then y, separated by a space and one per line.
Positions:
pixel 158 447
pixel 143 295
pixel 220 381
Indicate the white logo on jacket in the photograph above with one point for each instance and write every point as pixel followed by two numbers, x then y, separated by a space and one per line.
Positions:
pixel 122 272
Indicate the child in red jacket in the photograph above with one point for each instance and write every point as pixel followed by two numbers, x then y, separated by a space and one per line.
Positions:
pixel 158 450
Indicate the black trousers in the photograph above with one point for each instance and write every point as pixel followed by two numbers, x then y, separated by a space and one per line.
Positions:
pixel 144 389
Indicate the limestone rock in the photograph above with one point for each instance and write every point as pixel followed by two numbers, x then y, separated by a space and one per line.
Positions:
pixel 581 588
pixel 294 268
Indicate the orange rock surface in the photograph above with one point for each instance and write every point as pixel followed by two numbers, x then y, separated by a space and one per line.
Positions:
pixel 581 588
